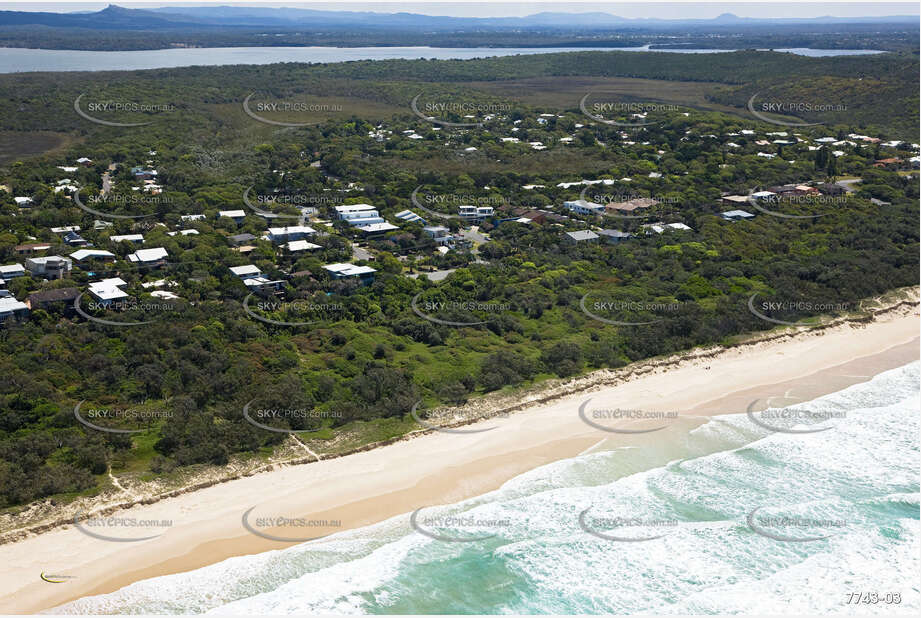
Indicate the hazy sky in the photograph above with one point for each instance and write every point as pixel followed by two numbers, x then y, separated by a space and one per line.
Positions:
pixel 499 9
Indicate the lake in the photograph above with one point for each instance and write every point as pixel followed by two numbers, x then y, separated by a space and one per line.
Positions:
pixel 15 60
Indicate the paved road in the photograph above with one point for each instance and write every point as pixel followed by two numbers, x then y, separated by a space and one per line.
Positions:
pixel 849 184
pixel 437 275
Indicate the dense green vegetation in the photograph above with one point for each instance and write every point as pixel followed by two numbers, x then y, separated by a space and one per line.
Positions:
pixel 368 358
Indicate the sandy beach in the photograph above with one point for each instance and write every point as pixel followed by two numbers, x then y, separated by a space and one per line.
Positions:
pixel 440 467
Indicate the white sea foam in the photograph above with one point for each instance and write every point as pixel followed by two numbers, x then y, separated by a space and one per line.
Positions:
pixel 861 473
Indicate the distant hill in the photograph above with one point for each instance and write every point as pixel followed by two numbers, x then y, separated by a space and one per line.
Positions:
pixel 115 17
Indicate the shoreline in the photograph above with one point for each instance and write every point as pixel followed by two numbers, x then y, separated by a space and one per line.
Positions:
pixel 433 467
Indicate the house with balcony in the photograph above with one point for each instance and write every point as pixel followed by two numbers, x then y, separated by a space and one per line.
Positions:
pixel 474 214
pixel 50 266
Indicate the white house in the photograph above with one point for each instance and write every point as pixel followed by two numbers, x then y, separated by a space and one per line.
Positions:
pixel 248 271
pixel 237 215
pixel 12 309
pixel 280 235
pixel 474 214
pixel 584 207
pixel 355 211
pixel 81 255
pixel 737 215
pixel 345 271
pixel 296 246
pixel 581 236
pixel 409 216
pixel 108 290
pixel 11 271
pixel 127 238
pixel 440 234
pixel 149 257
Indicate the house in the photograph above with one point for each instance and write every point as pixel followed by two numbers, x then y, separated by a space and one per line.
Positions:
pixel 61 299
pixel 734 200
pixel 660 227
pixel 108 291
pixel 23 202
pixel 75 240
pixel 614 236
pixel 262 286
pixel 474 214
pixel 196 217
pixel 410 217
pixel 11 271
pixel 356 211
pixel 376 228
pixel 736 215
pixel 50 267
pixel 248 271
pixel 87 162
pixel 241 239
pixel 280 235
pixel 296 246
pixel 136 238
pixel 764 195
pixel 891 162
pixel 347 271
pixel 831 189
pixel 149 257
pixel 183 233
pixel 85 255
pixel 11 309
pixel 581 236
pixel 30 249
pixel 631 205
pixel 141 173
pixel 584 207
pixel 238 216
pixel 440 234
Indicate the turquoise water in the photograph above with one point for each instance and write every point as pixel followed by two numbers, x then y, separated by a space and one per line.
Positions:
pixel 856 483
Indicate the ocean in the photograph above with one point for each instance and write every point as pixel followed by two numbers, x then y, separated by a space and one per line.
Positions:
pixel 729 517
